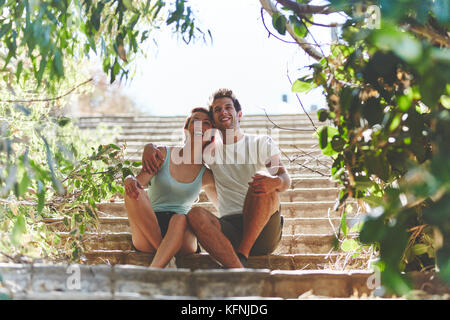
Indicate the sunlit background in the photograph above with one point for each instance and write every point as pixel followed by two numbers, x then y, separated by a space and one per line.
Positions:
pixel 176 77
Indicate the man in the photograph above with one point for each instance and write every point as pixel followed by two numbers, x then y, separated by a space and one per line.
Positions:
pixel 249 220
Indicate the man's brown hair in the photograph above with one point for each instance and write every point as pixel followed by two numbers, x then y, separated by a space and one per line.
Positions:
pixel 224 93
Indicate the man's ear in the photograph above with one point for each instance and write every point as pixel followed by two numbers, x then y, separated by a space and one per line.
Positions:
pixel 239 115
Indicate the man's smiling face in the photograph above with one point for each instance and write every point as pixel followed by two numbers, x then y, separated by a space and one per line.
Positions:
pixel 224 114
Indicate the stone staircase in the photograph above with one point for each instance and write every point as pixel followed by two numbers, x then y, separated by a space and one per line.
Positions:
pixel 304 261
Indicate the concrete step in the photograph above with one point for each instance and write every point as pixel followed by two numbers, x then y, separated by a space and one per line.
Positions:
pixel 291 225
pixel 204 261
pixel 296 164
pixel 289 244
pixel 311 182
pixel 307 150
pixel 122 281
pixel 182 118
pixel 286 147
pixel 299 194
pixel 296 126
pixel 295 209
pixel 280 137
pixel 245 121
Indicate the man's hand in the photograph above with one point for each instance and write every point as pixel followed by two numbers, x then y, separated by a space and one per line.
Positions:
pixel 263 183
pixel 132 187
pixel 152 159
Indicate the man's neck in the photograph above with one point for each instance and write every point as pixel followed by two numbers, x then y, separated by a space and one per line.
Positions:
pixel 231 136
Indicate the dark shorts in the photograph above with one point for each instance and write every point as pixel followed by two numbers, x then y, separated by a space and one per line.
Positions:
pixel 268 240
pixel 163 218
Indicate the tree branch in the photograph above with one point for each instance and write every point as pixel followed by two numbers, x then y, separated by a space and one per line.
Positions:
pixel 270 8
pixel 49 99
pixel 430 34
pixel 302 9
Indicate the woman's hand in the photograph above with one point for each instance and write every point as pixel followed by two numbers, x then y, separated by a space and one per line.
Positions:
pixel 132 187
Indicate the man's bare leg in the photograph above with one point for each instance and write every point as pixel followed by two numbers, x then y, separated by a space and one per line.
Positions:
pixel 207 228
pixel 256 213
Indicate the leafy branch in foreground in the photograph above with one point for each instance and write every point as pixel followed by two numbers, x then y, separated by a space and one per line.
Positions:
pixel 388 99
pixel 37 36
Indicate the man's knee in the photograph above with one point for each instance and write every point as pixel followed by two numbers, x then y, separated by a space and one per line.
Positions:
pixel 270 199
pixel 199 218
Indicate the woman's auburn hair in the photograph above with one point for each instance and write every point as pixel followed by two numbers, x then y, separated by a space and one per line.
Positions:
pixel 197 109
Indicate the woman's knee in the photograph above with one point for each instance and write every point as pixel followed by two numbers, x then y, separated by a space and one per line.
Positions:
pixel 178 220
pixel 142 245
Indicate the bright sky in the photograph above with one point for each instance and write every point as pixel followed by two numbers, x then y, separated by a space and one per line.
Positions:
pixel 175 77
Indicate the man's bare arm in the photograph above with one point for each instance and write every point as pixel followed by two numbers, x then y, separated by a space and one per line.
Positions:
pixel 152 158
pixel 277 168
pixel 277 180
pixel 209 185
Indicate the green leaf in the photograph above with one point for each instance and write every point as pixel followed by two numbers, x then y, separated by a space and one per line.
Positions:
pixel 404 103
pixel 18 231
pixel 323 137
pixel 302 86
pixel 322 115
pixel 299 27
pixel 19 69
pixel 349 245
pixel 4 29
pixel 395 122
pixel 41 196
pixel 325 133
pixel 136 164
pixel 420 249
pixel 445 101
pixel 279 22
pixel 337 143
pixel 374 228
pixel 58 64
pixel 401 43
pixel 114 146
pixel 23 185
pixel 128 4
pixel 344 223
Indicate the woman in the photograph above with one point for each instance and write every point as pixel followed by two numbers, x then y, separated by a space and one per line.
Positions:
pixel 158 219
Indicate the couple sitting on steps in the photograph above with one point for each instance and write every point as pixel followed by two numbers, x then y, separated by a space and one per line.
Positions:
pixel 243 181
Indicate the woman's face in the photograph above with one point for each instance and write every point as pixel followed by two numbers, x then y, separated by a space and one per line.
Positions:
pixel 200 125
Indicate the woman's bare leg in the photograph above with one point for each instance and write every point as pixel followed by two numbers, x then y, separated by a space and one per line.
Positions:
pixel 145 230
pixel 189 245
pixel 172 241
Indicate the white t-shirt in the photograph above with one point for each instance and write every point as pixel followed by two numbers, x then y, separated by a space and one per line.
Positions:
pixel 234 165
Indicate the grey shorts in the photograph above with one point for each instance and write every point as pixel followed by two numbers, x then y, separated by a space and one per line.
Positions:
pixel 267 241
